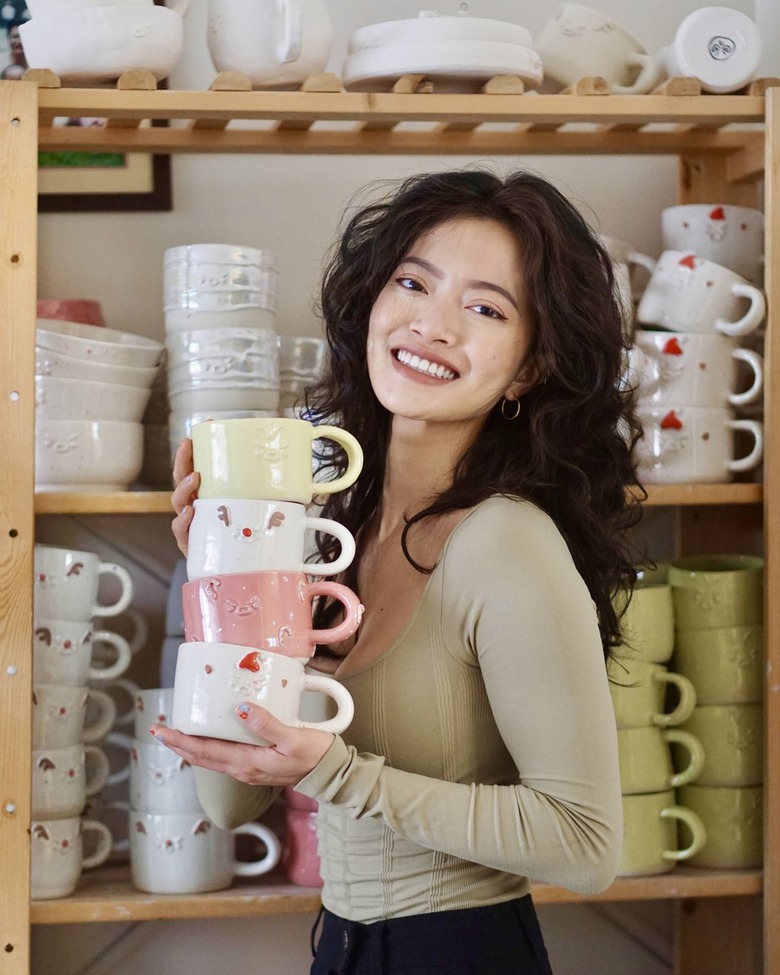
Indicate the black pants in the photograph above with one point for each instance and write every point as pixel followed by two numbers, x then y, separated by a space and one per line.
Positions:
pixel 504 939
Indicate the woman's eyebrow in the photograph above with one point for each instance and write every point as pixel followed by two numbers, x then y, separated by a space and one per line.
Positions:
pixel 437 273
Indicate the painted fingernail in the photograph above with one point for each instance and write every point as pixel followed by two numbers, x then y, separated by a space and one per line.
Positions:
pixel 243 711
pixel 185 511
pixel 188 479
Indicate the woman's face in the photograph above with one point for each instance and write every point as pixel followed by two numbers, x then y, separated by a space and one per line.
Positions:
pixel 449 333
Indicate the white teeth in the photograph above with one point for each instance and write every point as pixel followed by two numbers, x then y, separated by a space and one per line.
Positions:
pixel 423 365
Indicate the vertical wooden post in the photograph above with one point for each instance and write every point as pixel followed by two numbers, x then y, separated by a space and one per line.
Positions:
pixel 718 934
pixel 18 192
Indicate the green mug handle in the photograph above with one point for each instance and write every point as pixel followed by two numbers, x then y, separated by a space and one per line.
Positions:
pixel 354 454
pixel 694 824
pixel 686 704
pixel 696 750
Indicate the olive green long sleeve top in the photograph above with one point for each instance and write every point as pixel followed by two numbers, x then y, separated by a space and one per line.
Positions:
pixel 483 752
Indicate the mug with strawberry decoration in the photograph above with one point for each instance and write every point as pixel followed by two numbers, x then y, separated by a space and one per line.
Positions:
pixel 693 444
pixel 687 293
pixel 729 235
pixel 213 679
pixel 697 370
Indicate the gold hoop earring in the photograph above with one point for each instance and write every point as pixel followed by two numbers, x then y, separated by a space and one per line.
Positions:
pixel 510 416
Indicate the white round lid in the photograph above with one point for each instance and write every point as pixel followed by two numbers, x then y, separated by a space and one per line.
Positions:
pixel 719 46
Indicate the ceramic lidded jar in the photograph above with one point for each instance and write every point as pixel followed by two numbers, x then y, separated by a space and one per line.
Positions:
pixel 276 43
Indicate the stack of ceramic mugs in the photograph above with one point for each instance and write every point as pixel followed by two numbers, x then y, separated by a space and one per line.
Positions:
pixel 718 607
pixel 659 831
pixel 220 332
pixel 66 585
pixel 689 365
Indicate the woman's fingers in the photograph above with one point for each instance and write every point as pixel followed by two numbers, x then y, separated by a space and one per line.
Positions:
pixel 182 463
pixel 184 494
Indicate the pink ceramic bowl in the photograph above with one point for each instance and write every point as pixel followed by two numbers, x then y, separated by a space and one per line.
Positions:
pixel 84 310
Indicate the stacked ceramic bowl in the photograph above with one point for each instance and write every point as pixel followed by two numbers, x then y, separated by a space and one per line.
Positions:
pixel 92 385
pixel 300 364
pixel 220 331
pixel 458 53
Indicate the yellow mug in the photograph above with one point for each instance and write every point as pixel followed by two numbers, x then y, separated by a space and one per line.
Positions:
pixel 732 736
pixel 648 622
pixel 267 458
pixel 650 834
pixel 724 663
pixel 734 821
pixel 646 759
pixel 638 689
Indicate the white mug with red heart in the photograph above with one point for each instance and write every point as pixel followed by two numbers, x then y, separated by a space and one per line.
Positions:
pixel 729 235
pixel 687 293
pixel 695 370
pixel 690 444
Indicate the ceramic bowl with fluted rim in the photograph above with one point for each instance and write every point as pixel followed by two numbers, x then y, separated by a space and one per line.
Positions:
pixel 51 363
pixel 99 43
pixel 81 399
pixel 251 316
pixel 101 344
pixel 87 455
pixel 431 26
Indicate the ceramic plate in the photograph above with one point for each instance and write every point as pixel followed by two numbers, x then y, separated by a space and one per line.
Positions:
pixel 456 66
pixel 434 28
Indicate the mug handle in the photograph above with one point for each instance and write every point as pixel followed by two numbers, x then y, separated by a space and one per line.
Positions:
pixel 353 611
pixel 124 655
pixel 354 454
pixel 685 705
pixel 100 772
pixel 696 750
pixel 752 317
pixel 101 727
pixel 288 44
pixel 119 740
pixel 755 455
pixel 112 569
pixel 756 363
pixel 646 79
pixel 694 824
pixel 638 259
pixel 255 868
pixel 345 537
pixel 342 697
pixel 105 843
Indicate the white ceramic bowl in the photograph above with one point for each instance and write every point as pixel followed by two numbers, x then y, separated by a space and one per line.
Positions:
pixel 82 399
pixel 101 344
pixel 49 363
pixel 38 8
pixel 87 455
pixel 218 278
pixel 429 26
pixel 99 43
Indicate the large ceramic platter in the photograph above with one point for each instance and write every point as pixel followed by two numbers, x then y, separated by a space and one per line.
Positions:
pixel 456 66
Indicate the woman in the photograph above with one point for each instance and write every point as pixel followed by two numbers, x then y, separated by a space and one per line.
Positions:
pixel 475 352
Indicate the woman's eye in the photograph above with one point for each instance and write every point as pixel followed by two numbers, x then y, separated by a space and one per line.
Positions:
pixel 409 284
pixel 488 311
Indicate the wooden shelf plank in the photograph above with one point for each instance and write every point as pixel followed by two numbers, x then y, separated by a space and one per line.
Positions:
pixel 671 495
pixel 106 895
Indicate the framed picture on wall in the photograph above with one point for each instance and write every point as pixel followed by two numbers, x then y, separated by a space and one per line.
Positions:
pixel 85 181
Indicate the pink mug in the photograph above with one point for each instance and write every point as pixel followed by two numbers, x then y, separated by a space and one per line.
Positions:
pixel 300 857
pixel 265 610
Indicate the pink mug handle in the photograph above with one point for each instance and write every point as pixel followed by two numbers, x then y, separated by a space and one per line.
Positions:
pixel 348 599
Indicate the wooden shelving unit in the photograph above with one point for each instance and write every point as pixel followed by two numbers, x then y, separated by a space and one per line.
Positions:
pixel 726 145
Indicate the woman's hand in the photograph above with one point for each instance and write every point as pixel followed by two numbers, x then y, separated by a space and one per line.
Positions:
pixel 289 755
pixel 186 491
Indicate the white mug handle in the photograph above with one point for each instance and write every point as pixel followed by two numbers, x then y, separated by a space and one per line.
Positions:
pixel 104 843
pixel 752 317
pixel 755 455
pixel 121 573
pixel 342 697
pixel 345 537
pixel 756 363
pixel 254 868
pixel 290 39
pixel 646 79
pixel 124 656
pixel 638 259
pixel 100 771
pixel 101 727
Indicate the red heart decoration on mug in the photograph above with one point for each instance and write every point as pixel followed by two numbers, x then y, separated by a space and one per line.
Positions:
pixel 718 214
pixel 250 662
pixel 671 421
pixel 672 347
pixel 688 261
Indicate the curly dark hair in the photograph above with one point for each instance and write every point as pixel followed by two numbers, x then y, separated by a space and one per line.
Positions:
pixel 570 450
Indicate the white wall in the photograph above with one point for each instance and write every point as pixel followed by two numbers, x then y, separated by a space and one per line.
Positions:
pixel 291 206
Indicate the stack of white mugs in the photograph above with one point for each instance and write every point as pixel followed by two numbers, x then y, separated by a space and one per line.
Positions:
pixel 67 766
pixel 689 365
pixel 220 333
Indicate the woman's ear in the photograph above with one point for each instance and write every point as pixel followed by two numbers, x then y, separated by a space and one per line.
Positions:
pixel 528 377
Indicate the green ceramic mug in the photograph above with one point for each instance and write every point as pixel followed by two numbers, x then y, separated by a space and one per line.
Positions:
pixel 639 697
pixel 646 759
pixel 651 834
pixel 734 821
pixel 732 736
pixel 717 590
pixel 648 622
pixel 724 663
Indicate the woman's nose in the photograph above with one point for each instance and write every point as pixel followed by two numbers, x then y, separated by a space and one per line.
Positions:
pixel 434 325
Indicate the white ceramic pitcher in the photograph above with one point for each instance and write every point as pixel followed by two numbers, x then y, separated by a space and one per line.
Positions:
pixel 277 43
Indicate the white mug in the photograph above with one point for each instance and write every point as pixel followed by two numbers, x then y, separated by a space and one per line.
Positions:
pixel 187 853
pixel 689 444
pixel 729 235
pixel 59 712
pixel 687 293
pixel 161 781
pixel 57 854
pixel 696 370
pixel 579 41
pixel 67 581
pixel 212 679
pixel 228 536
pixel 63 652
pixel 61 781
